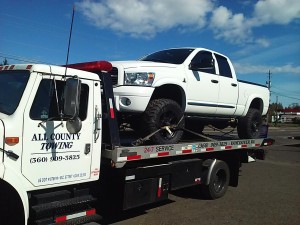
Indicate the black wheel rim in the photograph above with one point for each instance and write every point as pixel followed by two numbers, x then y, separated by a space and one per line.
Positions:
pixel 220 180
pixel 168 118
pixel 254 127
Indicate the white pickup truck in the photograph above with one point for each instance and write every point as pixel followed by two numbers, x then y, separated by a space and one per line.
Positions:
pixel 190 87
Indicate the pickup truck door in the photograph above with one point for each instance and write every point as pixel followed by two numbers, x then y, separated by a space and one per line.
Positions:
pixel 50 153
pixel 202 84
pixel 228 93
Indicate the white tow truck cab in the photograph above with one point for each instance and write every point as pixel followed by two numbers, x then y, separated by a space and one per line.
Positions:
pixel 62 158
pixel 32 127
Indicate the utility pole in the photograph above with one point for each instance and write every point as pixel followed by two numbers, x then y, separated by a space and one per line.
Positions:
pixel 276 109
pixel 269 87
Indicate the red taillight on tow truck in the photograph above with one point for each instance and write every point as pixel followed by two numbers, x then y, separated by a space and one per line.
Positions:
pixel 267 142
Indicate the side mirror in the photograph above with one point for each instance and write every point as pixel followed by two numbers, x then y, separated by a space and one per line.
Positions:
pixel 72 97
pixel 74 125
pixel 71 104
pixel 204 65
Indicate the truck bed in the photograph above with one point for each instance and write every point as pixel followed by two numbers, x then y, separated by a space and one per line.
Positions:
pixel 248 82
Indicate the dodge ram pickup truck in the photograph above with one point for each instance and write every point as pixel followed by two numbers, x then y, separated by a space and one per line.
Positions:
pixel 186 87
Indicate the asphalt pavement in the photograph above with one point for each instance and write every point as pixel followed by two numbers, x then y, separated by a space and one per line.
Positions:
pixel 268 193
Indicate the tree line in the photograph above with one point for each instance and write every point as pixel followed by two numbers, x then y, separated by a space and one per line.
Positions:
pixel 5 62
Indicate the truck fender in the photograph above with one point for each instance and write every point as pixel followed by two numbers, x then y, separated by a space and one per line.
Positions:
pixel 209 164
pixel 249 101
pixel 165 81
pixel 13 179
pixel 175 83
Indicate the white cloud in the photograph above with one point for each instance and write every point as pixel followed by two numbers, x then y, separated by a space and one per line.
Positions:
pixel 236 28
pixel 242 68
pixel 232 27
pixel 276 11
pixel 144 18
pixel 262 42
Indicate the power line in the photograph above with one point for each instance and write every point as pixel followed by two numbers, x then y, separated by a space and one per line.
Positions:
pixel 282 95
pixel 281 89
pixel 20 58
pixel 58 31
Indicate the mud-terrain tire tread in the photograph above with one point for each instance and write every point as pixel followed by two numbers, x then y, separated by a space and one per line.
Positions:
pixel 151 120
pixel 245 124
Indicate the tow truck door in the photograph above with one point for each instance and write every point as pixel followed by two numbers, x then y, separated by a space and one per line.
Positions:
pixel 50 153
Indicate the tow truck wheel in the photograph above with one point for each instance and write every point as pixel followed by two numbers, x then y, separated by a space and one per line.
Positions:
pixel 12 212
pixel 219 181
pixel 166 114
pixel 248 126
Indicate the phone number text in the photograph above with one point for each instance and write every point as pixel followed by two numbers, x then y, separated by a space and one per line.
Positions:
pixel 44 159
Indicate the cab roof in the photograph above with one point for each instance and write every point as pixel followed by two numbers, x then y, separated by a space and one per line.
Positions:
pixel 50 69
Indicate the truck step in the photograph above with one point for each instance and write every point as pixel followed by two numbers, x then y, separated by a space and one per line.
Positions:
pixel 62 206
pixel 50 197
pixel 73 219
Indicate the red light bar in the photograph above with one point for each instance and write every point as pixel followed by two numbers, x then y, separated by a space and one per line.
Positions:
pixel 92 66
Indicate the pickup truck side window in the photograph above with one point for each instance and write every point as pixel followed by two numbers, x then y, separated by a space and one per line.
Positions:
pixel 204 61
pixel 224 68
pixel 45 104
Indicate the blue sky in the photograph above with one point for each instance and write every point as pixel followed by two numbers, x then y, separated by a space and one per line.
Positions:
pixel 258 36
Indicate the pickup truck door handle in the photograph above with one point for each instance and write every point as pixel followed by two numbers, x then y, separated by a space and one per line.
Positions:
pixel 215 81
pixel 233 84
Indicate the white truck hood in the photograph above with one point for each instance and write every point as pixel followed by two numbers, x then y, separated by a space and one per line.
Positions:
pixel 141 64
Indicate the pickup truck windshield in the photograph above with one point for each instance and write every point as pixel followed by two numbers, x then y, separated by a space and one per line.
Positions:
pixel 174 56
pixel 12 85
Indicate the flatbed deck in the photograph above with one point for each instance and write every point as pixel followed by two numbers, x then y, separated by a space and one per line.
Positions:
pixel 213 143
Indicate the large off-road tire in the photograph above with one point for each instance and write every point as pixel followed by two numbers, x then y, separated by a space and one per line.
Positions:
pixel 160 113
pixel 248 126
pixel 218 183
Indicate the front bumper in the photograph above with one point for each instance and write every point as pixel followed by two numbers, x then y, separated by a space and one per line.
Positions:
pixel 132 98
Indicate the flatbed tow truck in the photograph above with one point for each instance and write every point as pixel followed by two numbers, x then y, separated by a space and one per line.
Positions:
pixel 65 164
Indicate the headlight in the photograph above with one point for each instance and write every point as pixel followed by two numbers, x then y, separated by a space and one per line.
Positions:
pixel 144 79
